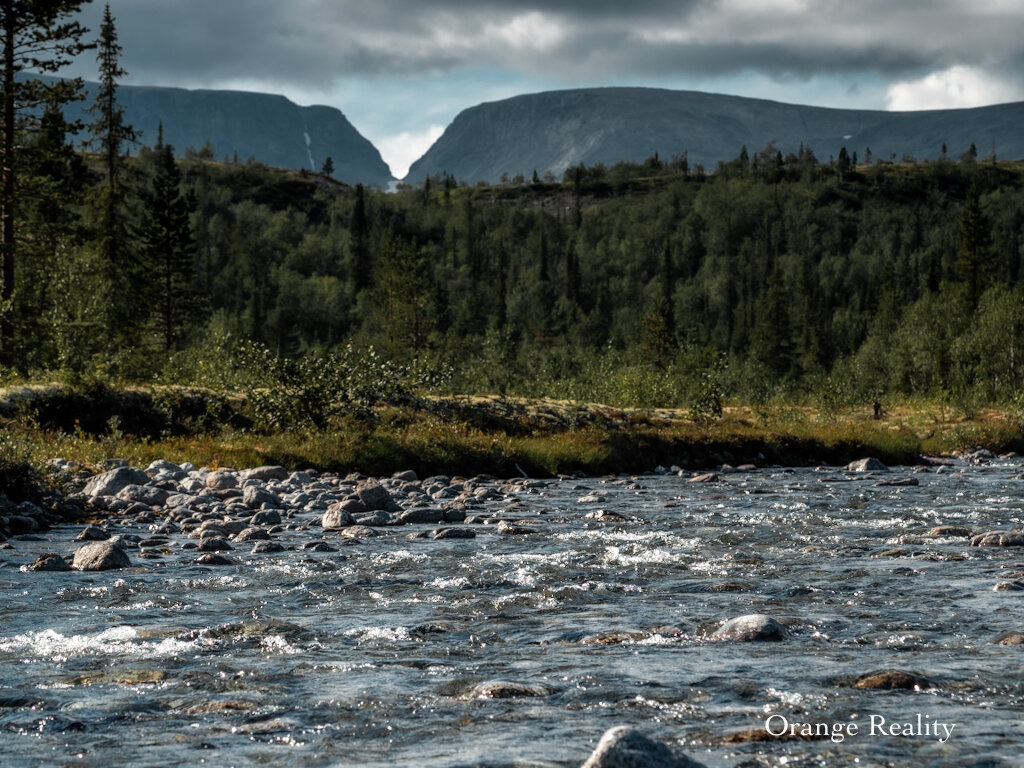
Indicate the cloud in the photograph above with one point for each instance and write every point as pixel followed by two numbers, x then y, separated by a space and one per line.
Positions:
pixel 957 86
pixel 403 149
pixel 308 43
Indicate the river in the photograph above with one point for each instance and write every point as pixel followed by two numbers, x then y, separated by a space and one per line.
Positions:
pixel 521 649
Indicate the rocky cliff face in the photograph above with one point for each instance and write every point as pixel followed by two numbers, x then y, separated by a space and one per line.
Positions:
pixel 552 131
pixel 268 128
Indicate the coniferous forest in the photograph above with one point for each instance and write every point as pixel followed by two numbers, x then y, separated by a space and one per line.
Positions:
pixel 831 280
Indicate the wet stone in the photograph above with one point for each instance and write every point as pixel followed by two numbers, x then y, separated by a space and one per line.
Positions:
pixel 266 547
pixel 627 747
pixel 92 533
pixel 454 533
pixel 999 539
pixel 866 465
pixel 214 544
pixel 893 680
pixel 754 627
pixel 101 556
pixel 502 689
pixel 214 558
pixel 253 533
pixel 51 561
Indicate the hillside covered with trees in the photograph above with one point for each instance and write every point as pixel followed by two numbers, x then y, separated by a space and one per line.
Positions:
pixel 830 279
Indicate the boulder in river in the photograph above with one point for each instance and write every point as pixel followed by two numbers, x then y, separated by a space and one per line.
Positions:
pixel 51 561
pixel 336 517
pixel 893 680
pixel 866 465
pixel 754 627
pixel 101 556
pixel 503 689
pixel 626 747
pixel 999 539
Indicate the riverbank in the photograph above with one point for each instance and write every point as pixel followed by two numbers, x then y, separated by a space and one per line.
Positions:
pixel 504 437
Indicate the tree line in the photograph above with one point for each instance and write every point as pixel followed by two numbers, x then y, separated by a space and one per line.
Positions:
pixel 640 283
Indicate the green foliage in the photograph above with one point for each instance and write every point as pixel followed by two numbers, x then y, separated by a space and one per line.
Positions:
pixel 18 475
pixel 313 389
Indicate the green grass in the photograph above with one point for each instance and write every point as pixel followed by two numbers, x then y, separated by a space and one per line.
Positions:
pixel 499 436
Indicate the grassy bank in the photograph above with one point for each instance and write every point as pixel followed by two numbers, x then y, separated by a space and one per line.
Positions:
pixel 467 436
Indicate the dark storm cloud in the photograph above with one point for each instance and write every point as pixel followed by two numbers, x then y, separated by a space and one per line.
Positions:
pixel 310 42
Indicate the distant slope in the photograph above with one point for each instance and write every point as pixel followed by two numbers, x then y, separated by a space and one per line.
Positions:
pixel 269 128
pixel 554 130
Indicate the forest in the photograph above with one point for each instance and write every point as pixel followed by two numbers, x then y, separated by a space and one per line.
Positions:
pixel 834 281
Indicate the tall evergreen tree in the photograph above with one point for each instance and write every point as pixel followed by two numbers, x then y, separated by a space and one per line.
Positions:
pixel 973 265
pixel 38 36
pixel 168 246
pixel 109 135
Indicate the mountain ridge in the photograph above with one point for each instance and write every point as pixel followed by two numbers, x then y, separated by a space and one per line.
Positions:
pixel 553 130
pixel 270 128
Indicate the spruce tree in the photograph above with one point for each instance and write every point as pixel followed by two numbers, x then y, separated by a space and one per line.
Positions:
pixel 110 134
pixel 168 247
pixel 37 36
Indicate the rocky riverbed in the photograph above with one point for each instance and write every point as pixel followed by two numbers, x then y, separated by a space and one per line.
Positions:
pixel 719 617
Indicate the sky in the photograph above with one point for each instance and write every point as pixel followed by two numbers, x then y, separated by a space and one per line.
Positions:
pixel 401 70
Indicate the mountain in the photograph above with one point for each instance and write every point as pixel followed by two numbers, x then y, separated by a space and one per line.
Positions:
pixel 552 131
pixel 269 128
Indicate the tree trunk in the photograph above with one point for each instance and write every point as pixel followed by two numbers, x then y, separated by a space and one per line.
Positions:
pixel 7 198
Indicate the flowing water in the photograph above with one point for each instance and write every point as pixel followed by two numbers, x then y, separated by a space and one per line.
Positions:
pixel 375 654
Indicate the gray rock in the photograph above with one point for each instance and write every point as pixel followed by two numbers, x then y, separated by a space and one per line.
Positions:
pixel 22 524
pixel 336 517
pixel 266 517
pixel 109 483
pixel 503 689
pixel 866 465
pixel 266 547
pixel 626 747
pixel 374 496
pixel 100 556
pixel 252 533
pixel 265 473
pixel 51 561
pixel 999 539
pixel 423 515
pixel 214 544
pixel 407 476
pixel 92 533
pixel 750 628
pixel 377 518
pixel 144 494
pixel 221 481
pixel 897 482
pixel 454 533
pixel 213 558
pixel 168 467
pixel 255 496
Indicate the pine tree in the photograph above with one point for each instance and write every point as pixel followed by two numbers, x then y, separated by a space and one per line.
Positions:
pixel 327 169
pixel 974 265
pixel 109 135
pixel 35 35
pixel 168 247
